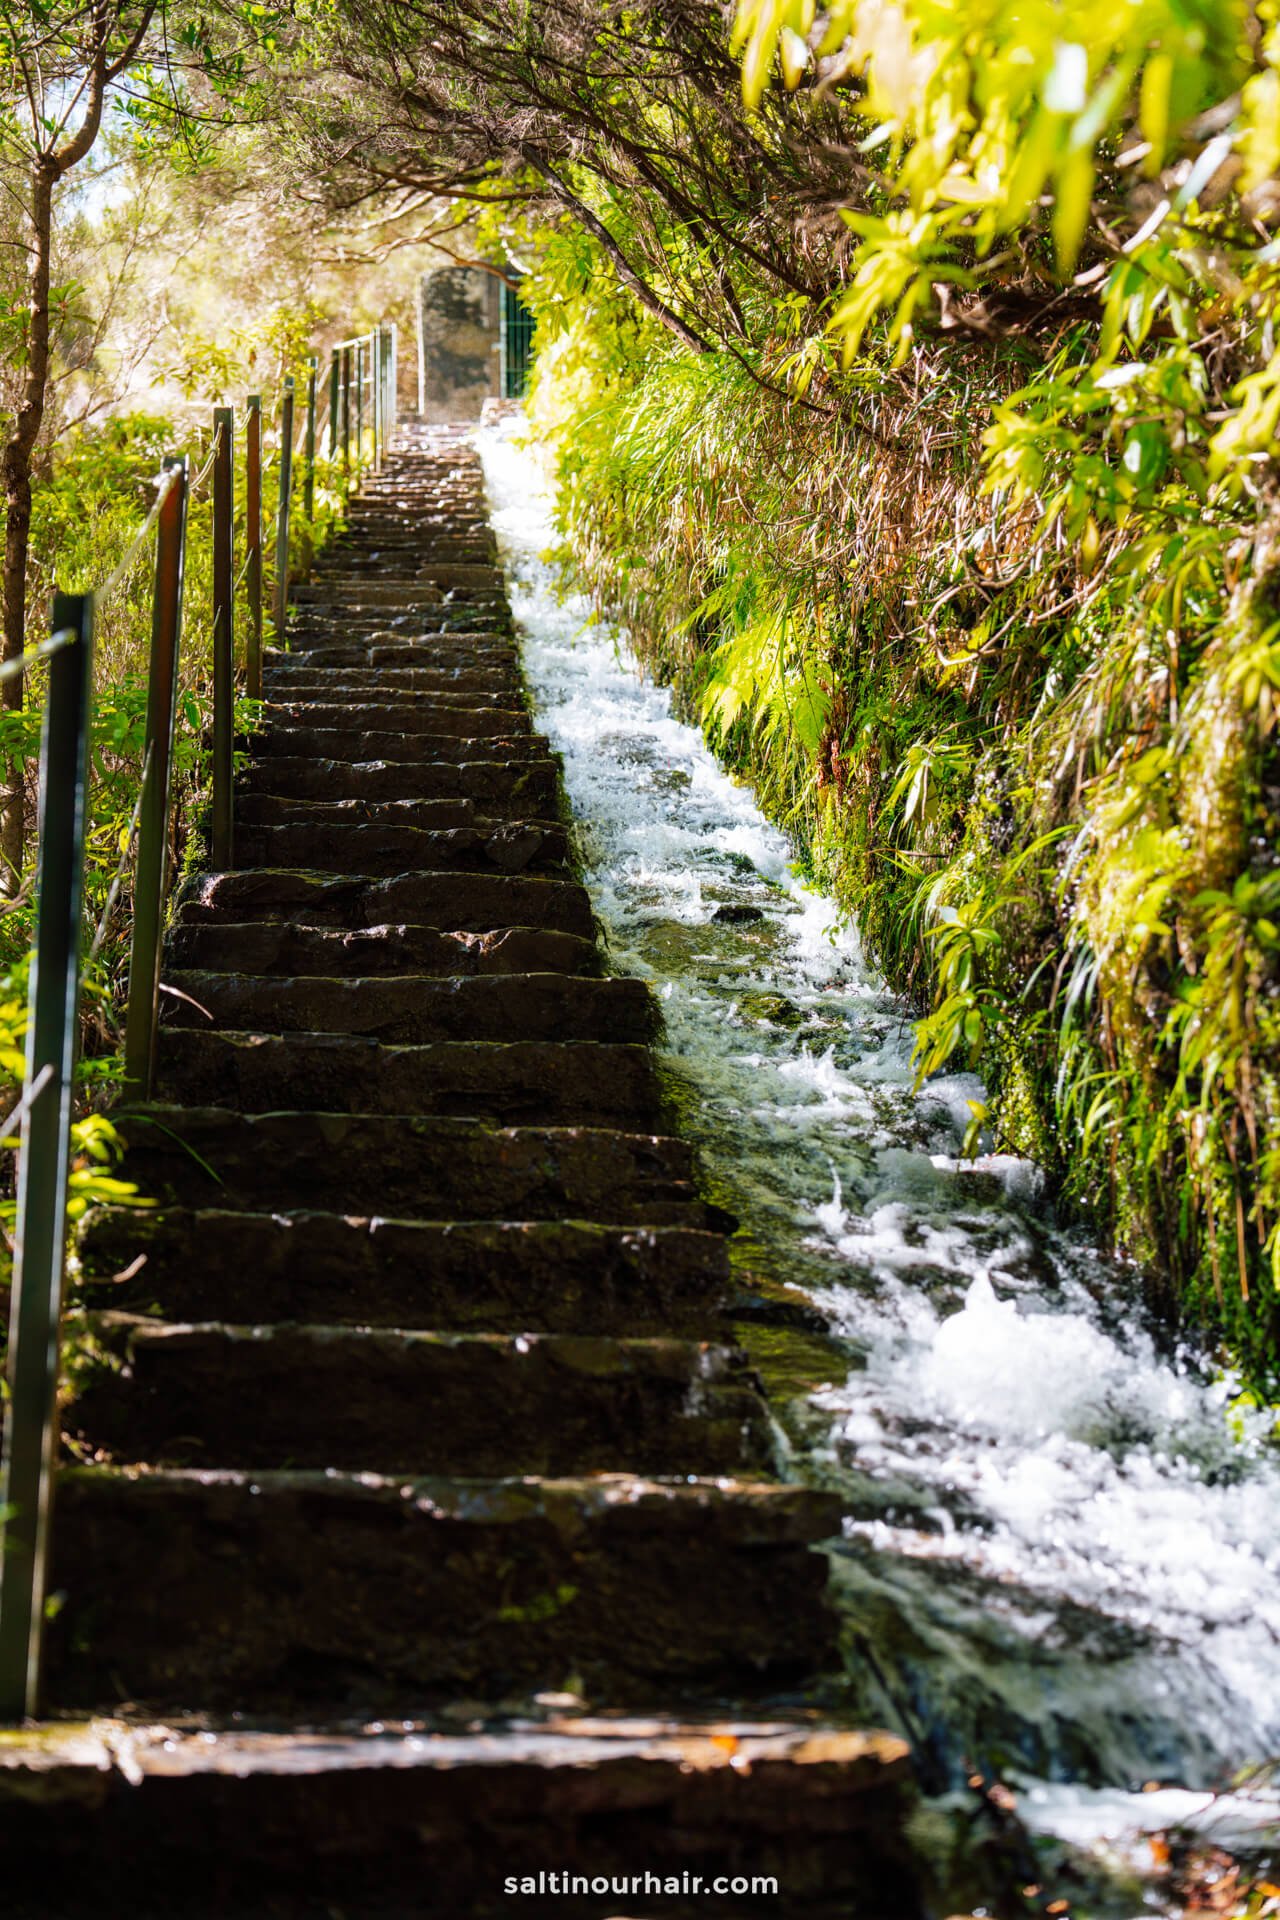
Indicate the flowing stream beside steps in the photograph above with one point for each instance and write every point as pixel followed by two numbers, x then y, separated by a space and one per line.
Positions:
pixel 1061 1542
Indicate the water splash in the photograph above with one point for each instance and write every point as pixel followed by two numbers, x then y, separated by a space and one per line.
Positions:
pixel 1062 1549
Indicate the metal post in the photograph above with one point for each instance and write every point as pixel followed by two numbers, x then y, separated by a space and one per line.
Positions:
pixel 282 513
pixel 422 348
pixel 309 472
pixel 223 635
pixel 346 409
pixel 360 406
pixel 253 542
pixel 153 818
pixel 26 1492
pixel 335 387
pixel 375 400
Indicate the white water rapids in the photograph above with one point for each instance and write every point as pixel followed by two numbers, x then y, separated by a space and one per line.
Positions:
pixel 1061 1543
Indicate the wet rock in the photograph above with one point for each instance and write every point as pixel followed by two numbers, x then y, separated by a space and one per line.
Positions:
pixel 773 1007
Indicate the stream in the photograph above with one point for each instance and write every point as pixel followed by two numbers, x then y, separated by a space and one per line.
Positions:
pixel 1061 1545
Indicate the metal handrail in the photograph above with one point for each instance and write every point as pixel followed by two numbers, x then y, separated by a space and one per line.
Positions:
pixel 283 511
pixel 253 541
pixel 224 598
pixel 46 1106
pixel 44 1160
pixel 153 824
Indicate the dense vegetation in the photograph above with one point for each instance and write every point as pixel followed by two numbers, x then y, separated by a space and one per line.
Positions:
pixel 911 375
pixel 919 420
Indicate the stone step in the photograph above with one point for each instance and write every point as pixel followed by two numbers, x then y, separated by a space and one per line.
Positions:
pixel 269 1591
pixel 517 1083
pixel 426 524
pixel 509 846
pixel 396 686
pixel 511 739
pixel 407 1166
pixel 281 810
pixel 415 1402
pixel 415 1009
pixel 332 953
pixel 370 589
pixel 492 712
pixel 545 1276
pixel 429 608
pixel 400 672
pixel 467 902
pixel 317 626
pixel 427 582
pixel 403 572
pixel 442 540
pixel 252 1821
pixel 443 650
pixel 500 788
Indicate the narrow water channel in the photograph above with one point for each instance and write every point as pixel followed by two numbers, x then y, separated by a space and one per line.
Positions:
pixel 1061 1542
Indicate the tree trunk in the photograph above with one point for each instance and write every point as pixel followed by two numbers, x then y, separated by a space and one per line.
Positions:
pixel 15 472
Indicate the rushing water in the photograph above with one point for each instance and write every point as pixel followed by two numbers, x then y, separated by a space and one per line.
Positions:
pixel 1061 1543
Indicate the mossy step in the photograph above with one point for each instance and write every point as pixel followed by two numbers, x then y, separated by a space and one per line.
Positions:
pixel 412 536
pixel 463 619
pixel 509 738
pixel 472 902
pixel 412 1401
pixel 331 952
pixel 440 712
pixel 360 1821
pixel 283 810
pixel 510 846
pixel 275 1590
pixel 392 580
pixel 414 1168
pixel 546 1276
pixel 501 787
pixel 514 1082
pixel 389 649
pixel 377 591
pixel 402 690
pixel 442 539
pixel 415 1009
pixel 369 589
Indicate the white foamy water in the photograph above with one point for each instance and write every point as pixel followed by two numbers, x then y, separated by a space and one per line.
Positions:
pixel 1061 1544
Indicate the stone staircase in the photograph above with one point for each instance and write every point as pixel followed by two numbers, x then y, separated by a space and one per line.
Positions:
pixel 426 1533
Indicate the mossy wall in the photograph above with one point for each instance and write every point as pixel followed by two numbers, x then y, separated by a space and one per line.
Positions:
pixel 1050 800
